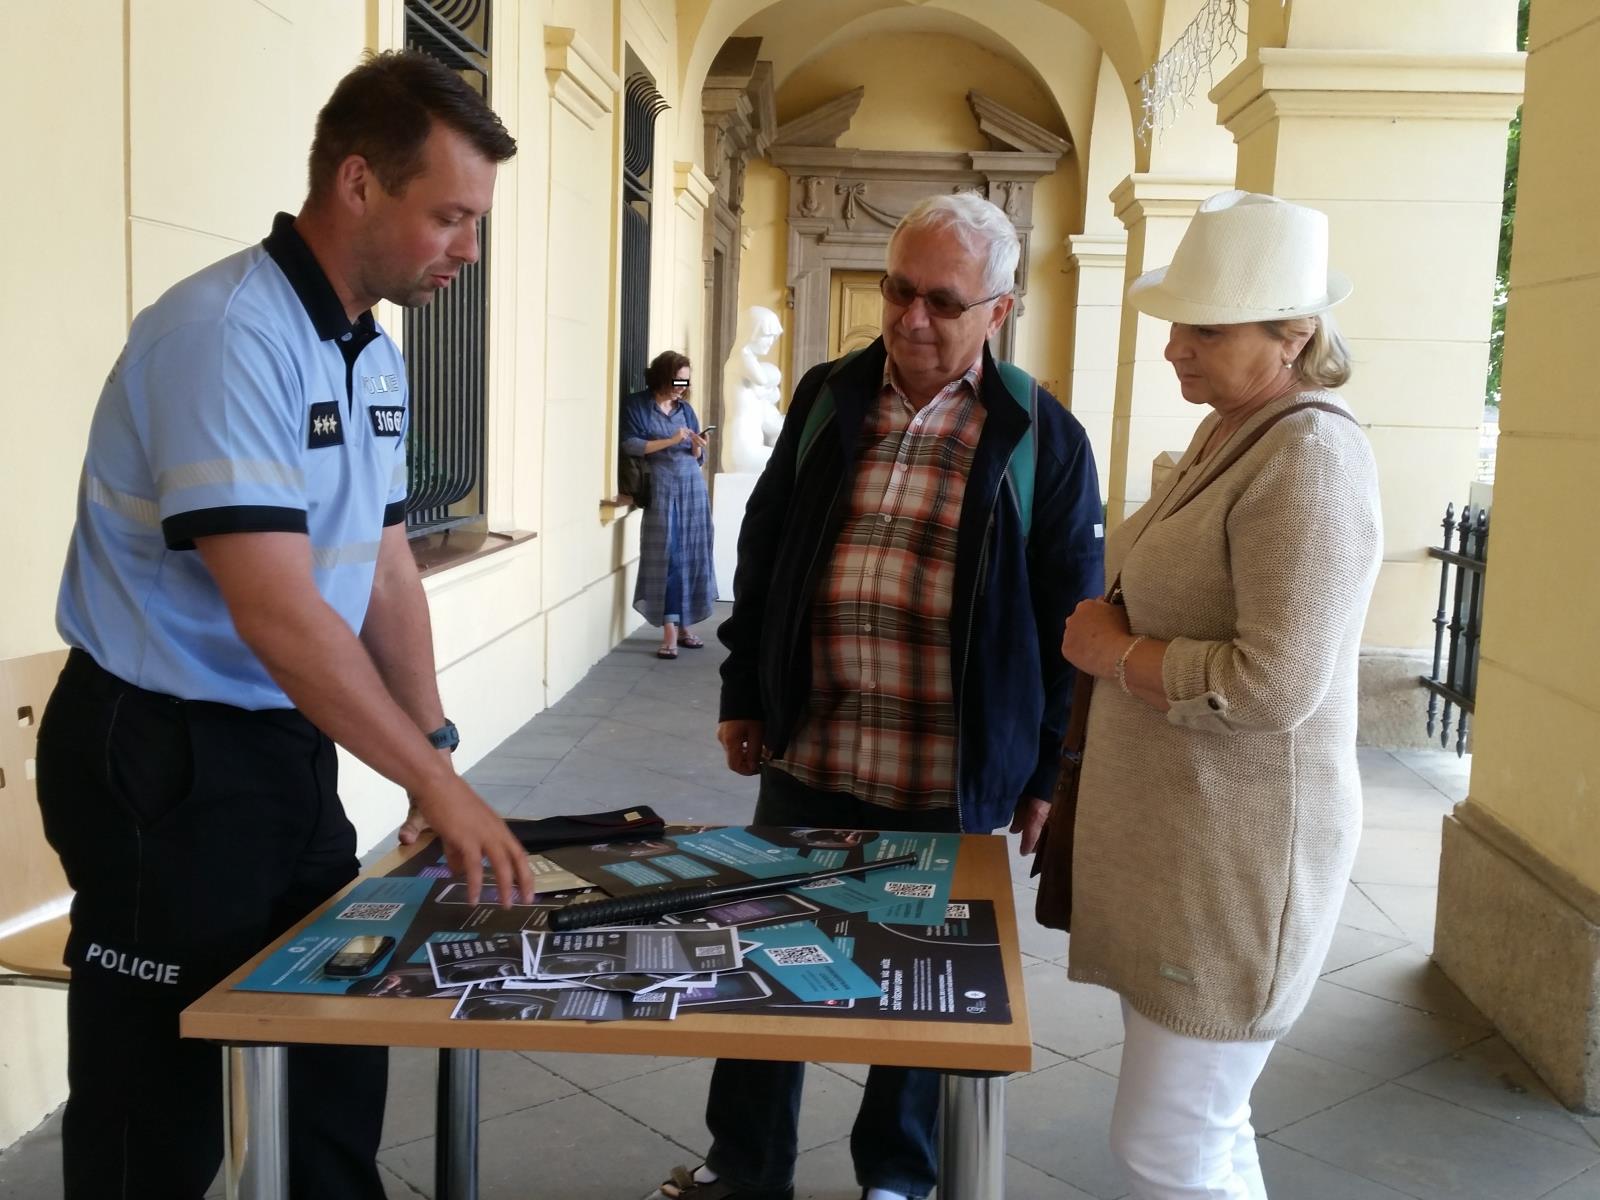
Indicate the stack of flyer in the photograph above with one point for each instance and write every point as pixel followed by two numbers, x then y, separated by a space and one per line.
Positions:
pixel 588 975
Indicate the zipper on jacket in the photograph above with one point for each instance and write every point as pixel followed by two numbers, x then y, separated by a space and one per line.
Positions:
pixel 966 650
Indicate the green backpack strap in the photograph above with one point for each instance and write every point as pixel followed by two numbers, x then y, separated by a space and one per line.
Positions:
pixel 821 410
pixel 1024 389
pixel 1019 385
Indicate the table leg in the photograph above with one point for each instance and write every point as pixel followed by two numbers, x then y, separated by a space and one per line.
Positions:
pixel 256 1142
pixel 972 1137
pixel 455 1164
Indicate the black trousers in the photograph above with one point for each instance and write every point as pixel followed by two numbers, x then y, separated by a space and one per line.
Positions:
pixel 753 1107
pixel 193 834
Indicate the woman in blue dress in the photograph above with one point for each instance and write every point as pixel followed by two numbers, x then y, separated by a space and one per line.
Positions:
pixel 677 583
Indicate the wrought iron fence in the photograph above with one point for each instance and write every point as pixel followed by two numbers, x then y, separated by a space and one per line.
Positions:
pixel 447 341
pixel 1458 622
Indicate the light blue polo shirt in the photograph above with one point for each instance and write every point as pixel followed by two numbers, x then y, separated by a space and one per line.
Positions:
pixel 244 401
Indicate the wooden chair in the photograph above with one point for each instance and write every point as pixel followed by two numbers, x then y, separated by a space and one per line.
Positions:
pixel 34 896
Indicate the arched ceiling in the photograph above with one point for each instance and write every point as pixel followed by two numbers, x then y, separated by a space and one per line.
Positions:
pixel 1127 31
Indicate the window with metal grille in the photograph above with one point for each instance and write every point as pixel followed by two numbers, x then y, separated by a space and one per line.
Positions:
pixel 642 104
pixel 447 341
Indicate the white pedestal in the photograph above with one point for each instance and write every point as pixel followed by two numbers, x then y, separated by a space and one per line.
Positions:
pixel 730 493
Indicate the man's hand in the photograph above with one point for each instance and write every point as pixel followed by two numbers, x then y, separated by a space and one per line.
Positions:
pixel 1029 821
pixel 741 742
pixel 471 831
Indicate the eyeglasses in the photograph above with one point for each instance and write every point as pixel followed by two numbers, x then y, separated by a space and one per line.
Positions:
pixel 940 303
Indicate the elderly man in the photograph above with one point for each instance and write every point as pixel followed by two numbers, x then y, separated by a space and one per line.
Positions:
pixel 926 522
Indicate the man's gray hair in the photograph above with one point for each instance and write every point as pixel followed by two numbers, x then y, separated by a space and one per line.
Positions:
pixel 982 228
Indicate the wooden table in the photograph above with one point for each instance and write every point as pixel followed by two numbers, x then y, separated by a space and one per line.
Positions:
pixel 977 1057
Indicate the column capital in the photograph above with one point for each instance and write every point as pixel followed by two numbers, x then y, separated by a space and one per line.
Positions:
pixel 1143 195
pixel 691 187
pixel 1276 82
pixel 580 80
pixel 1096 250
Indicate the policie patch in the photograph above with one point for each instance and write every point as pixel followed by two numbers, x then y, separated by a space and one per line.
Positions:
pixel 327 428
pixel 387 421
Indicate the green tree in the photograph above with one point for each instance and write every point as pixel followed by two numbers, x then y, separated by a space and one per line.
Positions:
pixel 1508 216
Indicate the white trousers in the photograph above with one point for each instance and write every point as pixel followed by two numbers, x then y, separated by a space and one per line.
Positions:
pixel 1181 1124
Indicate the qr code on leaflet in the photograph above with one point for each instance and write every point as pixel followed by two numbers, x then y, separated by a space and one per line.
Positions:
pixel 370 912
pixel 911 891
pixel 799 956
pixel 957 912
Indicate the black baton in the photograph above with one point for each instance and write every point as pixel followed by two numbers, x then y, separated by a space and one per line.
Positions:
pixel 585 914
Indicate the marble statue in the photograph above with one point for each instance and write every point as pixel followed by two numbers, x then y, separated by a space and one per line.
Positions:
pixel 751 395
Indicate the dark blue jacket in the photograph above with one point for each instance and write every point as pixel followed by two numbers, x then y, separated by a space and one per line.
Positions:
pixel 1012 595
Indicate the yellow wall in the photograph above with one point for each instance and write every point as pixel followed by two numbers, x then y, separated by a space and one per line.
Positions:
pixel 763 262
pixel 1537 759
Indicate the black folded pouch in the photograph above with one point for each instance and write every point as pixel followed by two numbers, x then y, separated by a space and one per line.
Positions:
pixel 578 829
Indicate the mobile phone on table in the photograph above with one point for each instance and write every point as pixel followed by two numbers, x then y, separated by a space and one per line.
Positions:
pixel 358 956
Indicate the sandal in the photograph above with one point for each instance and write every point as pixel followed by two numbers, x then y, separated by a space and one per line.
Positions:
pixel 666 652
pixel 689 642
pixel 684 1186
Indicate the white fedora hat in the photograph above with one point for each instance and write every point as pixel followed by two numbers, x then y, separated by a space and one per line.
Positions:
pixel 1244 257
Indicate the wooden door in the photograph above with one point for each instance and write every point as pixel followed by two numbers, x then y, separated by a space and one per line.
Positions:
pixel 855 311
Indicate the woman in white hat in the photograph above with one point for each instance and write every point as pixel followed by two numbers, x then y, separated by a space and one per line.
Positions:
pixel 1219 802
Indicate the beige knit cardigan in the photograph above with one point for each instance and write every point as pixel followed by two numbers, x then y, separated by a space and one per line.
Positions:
pixel 1214 841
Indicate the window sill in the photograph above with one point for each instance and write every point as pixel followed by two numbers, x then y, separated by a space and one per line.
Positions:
pixel 438 552
pixel 616 508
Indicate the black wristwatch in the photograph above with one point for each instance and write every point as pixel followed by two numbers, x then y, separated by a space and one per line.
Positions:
pixel 446 737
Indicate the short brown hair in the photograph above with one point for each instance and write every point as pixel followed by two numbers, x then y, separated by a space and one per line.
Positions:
pixel 663 368
pixel 384 110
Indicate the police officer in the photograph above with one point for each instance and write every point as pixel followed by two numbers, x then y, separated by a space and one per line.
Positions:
pixel 239 597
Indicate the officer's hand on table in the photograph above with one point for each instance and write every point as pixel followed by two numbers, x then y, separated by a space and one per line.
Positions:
pixel 741 742
pixel 1029 821
pixel 471 831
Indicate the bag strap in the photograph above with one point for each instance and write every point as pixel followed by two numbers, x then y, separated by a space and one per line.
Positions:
pixel 1254 436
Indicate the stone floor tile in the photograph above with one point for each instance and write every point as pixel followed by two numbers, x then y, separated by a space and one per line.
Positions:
pixel 576 1148
pixel 1296 1176
pixel 1405 856
pixel 1359 911
pixel 1069 1018
pixel 1296 1085
pixel 1584 1187
pixel 1376 1036
pixel 1029 1183
pixel 1382 768
pixel 826 1172
pixel 535 741
pixel 1410 907
pixel 1490 1078
pixel 672 1102
pixel 683 717
pixel 396 1188
pixel 562 723
pixel 1409 976
pixel 30 1169
pixel 682 758
pixel 1059 1121
pixel 1352 945
pixel 506 1082
pixel 1108 1060
pixel 1434 1150
pixel 1421 808
pixel 1442 769
pixel 591 1071
pixel 508 771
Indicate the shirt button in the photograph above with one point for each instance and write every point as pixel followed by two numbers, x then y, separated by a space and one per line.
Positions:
pixel 866 627
pixel 883 517
pixel 345 337
pixel 870 685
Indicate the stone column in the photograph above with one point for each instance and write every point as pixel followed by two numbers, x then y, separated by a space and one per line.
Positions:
pixel 1519 886
pixel 1149 413
pixel 1099 260
pixel 1406 154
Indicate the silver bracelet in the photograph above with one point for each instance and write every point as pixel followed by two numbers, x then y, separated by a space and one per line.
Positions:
pixel 1122 663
